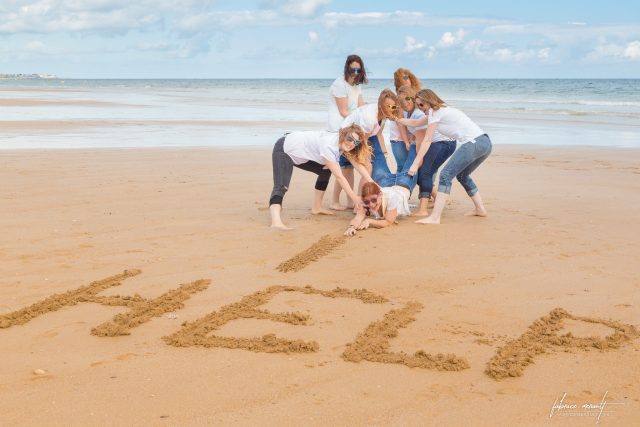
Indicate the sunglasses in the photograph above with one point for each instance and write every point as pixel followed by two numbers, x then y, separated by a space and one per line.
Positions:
pixel 408 98
pixel 355 70
pixel 392 107
pixel 356 142
pixel 420 104
pixel 370 201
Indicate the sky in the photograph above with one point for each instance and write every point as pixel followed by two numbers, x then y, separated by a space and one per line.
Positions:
pixel 312 38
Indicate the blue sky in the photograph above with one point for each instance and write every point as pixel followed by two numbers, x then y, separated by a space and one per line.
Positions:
pixel 311 38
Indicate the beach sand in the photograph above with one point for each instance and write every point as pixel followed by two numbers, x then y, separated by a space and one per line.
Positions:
pixel 220 320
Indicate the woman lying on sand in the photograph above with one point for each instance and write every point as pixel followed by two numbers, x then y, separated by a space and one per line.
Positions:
pixel 371 118
pixel 317 152
pixel 475 148
pixel 384 203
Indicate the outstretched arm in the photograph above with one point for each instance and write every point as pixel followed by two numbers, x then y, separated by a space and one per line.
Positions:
pixel 355 222
pixel 362 171
pixel 414 122
pixel 389 218
pixel 423 148
pixel 337 172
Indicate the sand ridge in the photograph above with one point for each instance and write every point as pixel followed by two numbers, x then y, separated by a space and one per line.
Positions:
pixel 542 337
pixel 197 333
pixel 322 247
pixel 57 301
pixel 142 310
pixel 373 344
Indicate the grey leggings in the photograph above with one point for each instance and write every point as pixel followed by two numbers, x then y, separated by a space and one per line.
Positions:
pixel 283 169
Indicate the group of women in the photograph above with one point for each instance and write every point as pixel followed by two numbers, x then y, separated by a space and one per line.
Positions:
pixel 424 134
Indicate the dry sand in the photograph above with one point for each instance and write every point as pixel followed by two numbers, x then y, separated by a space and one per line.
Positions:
pixel 141 287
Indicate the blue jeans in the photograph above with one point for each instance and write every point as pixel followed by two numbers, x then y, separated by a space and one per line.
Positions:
pixel 384 178
pixel 437 154
pixel 399 153
pixel 373 143
pixel 463 162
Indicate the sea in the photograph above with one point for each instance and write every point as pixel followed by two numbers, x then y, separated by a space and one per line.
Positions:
pixel 121 113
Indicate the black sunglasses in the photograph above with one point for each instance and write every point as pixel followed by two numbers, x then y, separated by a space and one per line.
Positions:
pixel 355 70
pixel 356 142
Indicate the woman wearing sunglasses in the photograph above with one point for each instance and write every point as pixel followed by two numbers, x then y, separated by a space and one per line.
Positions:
pixel 371 118
pixel 345 96
pixel 476 147
pixel 384 203
pixel 317 152
pixel 438 152
pixel 400 141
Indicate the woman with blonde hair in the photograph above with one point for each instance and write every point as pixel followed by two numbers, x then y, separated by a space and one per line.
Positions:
pixel 398 137
pixel 476 147
pixel 438 152
pixel 371 118
pixel 318 152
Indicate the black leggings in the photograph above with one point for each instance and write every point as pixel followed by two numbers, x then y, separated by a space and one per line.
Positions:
pixel 283 170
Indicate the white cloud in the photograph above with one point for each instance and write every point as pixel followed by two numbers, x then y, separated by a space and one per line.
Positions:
pixel 449 39
pixel 313 37
pixel 410 44
pixel 301 8
pixel 485 51
pixel 401 18
pixel 632 50
pixel 607 51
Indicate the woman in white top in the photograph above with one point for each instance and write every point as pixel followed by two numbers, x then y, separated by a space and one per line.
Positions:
pixel 371 118
pixel 397 136
pixel 475 148
pixel 439 151
pixel 345 93
pixel 317 152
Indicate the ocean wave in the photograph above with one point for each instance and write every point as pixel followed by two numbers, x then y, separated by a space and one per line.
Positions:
pixel 594 103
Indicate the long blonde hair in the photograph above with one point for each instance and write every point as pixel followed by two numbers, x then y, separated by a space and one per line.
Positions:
pixel 360 154
pixel 428 96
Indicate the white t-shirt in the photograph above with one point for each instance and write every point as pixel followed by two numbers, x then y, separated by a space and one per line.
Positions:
pixel 366 117
pixel 455 124
pixel 318 146
pixel 340 88
pixel 418 114
pixel 396 198
pixel 394 132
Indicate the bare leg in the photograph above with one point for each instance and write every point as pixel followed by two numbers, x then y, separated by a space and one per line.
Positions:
pixel 422 209
pixel 438 207
pixel 317 208
pixel 276 221
pixel 479 209
pixel 337 189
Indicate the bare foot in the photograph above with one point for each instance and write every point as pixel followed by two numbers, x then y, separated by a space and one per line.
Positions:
pixel 280 227
pixel 321 211
pixel 337 207
pixel 428 220
pixel 476 212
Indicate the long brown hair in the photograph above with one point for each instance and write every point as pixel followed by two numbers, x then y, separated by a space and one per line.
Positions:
pixel 360 154
pixel 398 79
pixel 359 78
pixel 428 96
pixel 388 93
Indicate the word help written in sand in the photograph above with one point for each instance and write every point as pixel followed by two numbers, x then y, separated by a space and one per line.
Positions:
pixel 542 337
pixel 141 310
pixel 197 333
pixel 373 344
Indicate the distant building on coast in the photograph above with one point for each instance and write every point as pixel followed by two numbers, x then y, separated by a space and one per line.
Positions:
pixel 26 76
